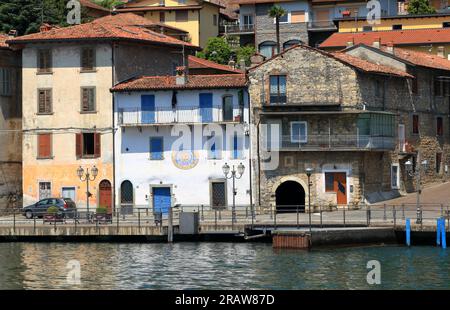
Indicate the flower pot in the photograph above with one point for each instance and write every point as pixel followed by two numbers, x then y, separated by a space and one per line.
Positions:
pixel 103 218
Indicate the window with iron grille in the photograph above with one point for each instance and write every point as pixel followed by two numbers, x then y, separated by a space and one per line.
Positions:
pixel 5 82
pixel 218 195
pixel 44 61
pixel 88 99
pixel 126 192
pixel 277 89
pixel 87 59
pixel 44 101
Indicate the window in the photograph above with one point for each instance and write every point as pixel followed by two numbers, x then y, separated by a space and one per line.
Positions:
pixel 439 126
pixel 299 132
pixel 367 28
pixel 44 148
pixel 277 89
pixel 44 101
pixel 156 148
pixel 5 81
pixel 395 176
pixel 268 49
pixel 88 145
pixel 218 194
pixel 238 147
pixel 297 17
pixel 415 85
pixel 181 16
pixel 87 59
pixel 247 19
pixel 44 61
pixel 446 25
pixel 290 43
pixel 438 87
pixel 214 19
pixel 227 108
pixel 397 27
pixel 162 17
pixel 438 162
pixel 126 193
pixel 415 125
pixel 88 99
pixel 329 182
pixel 283 19
pixel 45 190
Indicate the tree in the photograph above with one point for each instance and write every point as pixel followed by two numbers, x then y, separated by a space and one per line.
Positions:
pixel 277 12
pixel 218 50
pixel 108 4
pixel 245 52
pixel 416 7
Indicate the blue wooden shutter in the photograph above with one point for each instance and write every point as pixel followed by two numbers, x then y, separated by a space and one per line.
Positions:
pixel 156 148
pixel 206 107
pixel 148 109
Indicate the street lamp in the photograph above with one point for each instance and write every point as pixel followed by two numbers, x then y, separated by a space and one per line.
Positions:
pixel 86 176
pixel 309 171
pixel 234 175
pixel 417 174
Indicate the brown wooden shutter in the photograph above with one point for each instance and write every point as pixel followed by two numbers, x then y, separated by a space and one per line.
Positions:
pixel 97 145
pixel 44 145
pixel 48 101
pixel 78 144
pixel 85 99
pixel 41 101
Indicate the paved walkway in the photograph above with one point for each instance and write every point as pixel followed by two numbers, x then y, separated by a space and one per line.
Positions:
pixel 434 194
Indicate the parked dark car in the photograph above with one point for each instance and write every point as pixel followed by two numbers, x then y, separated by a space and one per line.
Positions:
pixel 66 206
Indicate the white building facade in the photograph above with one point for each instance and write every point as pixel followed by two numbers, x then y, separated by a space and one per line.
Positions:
pixel 172 141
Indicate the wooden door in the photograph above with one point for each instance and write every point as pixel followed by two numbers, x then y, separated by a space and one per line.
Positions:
pixel 340 186
pixel 105 197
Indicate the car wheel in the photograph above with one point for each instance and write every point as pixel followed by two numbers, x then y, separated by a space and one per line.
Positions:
pixel 29 214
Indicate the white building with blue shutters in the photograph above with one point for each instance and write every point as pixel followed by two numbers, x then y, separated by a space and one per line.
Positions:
pixel 173 136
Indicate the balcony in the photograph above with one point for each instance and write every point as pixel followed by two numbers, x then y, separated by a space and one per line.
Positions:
pixel 237 29
pixel 181 115
pixel 336 143
pixel 320 25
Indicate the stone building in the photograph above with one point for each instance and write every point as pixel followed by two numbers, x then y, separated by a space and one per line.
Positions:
pixel 10 125
pixel 353 117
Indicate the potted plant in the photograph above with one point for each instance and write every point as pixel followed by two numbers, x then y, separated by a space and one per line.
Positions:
pixel 53 215
pixel 102 215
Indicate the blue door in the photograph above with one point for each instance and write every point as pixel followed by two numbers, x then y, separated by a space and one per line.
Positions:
pixel 206 107
pixel 148 109
pixel 161 199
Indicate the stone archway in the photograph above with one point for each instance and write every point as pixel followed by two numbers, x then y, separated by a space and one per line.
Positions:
pixel 290 197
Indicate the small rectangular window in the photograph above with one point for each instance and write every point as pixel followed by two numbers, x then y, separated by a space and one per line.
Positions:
pixel 218 194
pixel 438 162
pixel 277 89
pixel 299 132
pixel 397 27
pixel 88 145
pixel 87 59
pixel 44 61
pixel 283 19
pixel 88 99
pixel 367 28
pixel 298 17
pixel 44 145
pixel 329 182
pixel 395 176
pixel 156 148
pixel 45 191
pixel 181 16
pixel 439 126
pixel 44 101
pixel 415 124
pixel 214 19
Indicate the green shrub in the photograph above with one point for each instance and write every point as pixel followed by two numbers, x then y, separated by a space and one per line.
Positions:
pixel 52 210
pixel 102 210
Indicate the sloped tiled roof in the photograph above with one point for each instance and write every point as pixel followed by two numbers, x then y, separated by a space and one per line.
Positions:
pixel 258 1
pixel 421 59
pixel 395 37
pixel 199 63
pixel 193 82
pixel 115 27
pixel 3 38
pixel 91 5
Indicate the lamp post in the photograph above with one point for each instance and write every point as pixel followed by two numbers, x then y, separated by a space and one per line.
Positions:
pixel 309 171
pixel 417 174
pixel 86 177
pixel 234 175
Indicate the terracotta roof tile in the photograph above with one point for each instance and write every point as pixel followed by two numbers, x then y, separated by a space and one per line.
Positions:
pixel 194 82
pixel 3 38
pixel 90 4
pixel 258 1
pixel 199 63
pixel 127 27
pixel 396 37
pixel 421 59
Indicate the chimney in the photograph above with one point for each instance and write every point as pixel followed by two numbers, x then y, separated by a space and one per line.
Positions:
pixel 12 33
pixel 181 78
pixel 45 27
pixel 377 43
pixel 390 48
pixel 440 51
pixel 232 64
pixel 350 43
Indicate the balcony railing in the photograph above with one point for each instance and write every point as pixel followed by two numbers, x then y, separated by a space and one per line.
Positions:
pixel 321 25
pixel 237 28
pixel 333 142
pixel 137 116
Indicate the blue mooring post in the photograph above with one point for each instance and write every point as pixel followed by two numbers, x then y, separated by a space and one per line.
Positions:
pixel 408 232
pixel 443 236
pixel 438 232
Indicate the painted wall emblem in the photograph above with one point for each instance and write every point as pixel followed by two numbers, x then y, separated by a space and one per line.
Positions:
pixel 185 160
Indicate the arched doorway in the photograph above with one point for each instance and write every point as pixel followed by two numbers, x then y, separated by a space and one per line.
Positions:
pixel 105 195
pixel 290 195
pixel 126 197
pixel 291 43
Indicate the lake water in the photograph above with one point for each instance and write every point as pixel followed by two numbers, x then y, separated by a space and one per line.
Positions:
pixel 219 266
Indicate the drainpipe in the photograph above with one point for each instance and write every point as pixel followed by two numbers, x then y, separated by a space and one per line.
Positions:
pixel 113 129
pixel 250 153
